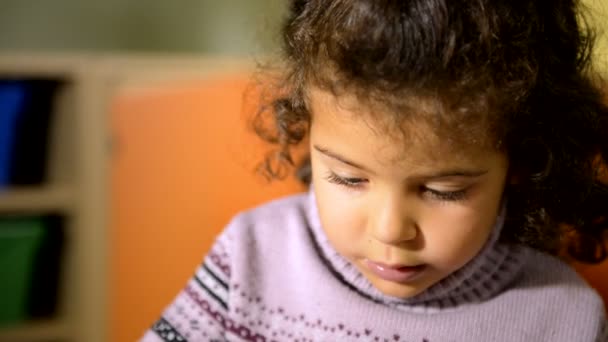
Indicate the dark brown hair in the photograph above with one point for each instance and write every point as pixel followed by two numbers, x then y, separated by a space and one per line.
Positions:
pixel 520 67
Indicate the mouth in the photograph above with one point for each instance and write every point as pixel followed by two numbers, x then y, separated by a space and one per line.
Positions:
pixel 394 273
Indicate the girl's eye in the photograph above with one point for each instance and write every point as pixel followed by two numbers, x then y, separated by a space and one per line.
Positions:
pixel 347 182
pixel 451 196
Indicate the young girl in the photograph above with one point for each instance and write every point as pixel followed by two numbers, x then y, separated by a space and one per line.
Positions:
pixel 454 149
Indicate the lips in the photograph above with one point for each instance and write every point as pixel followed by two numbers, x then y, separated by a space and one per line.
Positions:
pixel 394 273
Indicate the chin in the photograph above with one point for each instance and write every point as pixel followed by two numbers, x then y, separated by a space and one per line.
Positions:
pixel 397 290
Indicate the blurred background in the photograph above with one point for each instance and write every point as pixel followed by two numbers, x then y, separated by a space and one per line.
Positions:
pixel 124 150
pixel 234 27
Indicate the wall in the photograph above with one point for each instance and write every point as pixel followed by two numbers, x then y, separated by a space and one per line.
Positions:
pixel 236 27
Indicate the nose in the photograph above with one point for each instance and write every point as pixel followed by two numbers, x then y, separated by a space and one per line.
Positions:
pixel 392 221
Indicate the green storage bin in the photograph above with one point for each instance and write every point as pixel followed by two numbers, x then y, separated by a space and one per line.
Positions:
pixel 20 239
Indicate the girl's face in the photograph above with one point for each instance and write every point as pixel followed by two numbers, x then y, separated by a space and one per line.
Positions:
pixel 407 212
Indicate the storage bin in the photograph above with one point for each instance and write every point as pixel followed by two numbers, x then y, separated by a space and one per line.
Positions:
pixel 11 102
pixel 20 239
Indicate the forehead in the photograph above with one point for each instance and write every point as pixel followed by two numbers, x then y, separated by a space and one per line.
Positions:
pixel 414 137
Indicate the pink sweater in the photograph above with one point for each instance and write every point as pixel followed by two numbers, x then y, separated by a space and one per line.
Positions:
pixel 273 276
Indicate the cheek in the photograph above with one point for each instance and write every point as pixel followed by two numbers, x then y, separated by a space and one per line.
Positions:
pixel 341 217
pixel 453 237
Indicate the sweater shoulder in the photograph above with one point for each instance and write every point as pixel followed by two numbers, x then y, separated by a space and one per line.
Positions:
pixel 544 269
pixel 273 219
pixel 560 286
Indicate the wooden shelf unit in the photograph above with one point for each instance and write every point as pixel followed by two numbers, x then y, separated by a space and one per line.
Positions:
pixel 75 188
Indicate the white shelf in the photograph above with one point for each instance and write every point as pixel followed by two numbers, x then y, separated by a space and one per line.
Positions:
pixel 34 331
pixel 36 199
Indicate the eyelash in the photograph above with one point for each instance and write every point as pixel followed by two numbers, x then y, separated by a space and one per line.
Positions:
pixel 448 196
pixel 356 183
pixel 352 183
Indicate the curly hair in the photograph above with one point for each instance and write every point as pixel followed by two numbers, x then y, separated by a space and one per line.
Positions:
pixel 519 72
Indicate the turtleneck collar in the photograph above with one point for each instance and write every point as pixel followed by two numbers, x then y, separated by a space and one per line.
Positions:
pixel 484 276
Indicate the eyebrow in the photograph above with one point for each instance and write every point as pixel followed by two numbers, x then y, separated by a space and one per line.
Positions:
pixel 456 172
pixel 339 158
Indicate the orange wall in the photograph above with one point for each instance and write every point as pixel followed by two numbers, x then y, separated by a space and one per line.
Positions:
pixel 182 166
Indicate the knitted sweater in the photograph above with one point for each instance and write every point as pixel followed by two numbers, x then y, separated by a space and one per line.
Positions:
pixel 273 276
